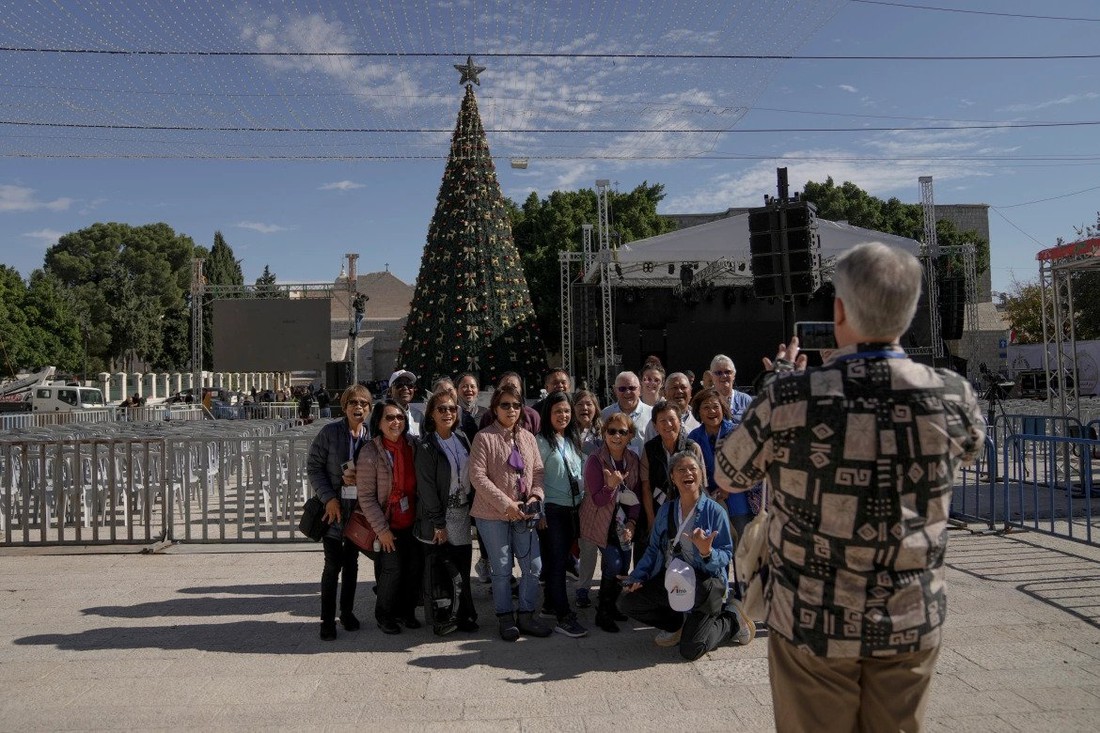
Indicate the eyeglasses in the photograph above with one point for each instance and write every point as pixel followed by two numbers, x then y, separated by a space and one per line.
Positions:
pixel 722 372
pixel 358 403
pixel 446 408
pixel 393 418
pixel 510 406
pixel 630 388
pixel 617 431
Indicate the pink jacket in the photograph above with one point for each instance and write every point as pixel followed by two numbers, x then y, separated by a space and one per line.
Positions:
pixel 494 481
pixel 374 480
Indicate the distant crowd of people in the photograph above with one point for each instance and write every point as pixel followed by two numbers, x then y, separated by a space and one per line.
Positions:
pixel 858 458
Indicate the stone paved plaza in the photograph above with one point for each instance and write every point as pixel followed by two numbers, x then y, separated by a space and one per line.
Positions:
pixel 225 637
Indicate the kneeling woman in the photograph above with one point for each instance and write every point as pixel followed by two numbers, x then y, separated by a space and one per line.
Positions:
pixel 386 479
pixel 680 584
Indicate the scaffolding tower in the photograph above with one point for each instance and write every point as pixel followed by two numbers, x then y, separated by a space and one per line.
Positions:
pixel 931 258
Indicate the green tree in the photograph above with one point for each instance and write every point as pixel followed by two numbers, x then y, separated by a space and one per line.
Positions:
pixel 58 333
pixel 544 227
pixel 848 202
pixel 15 332
pixel 471 308
pixel 125 282
pixel 266 286
pixel 221 269
pixel 1023 306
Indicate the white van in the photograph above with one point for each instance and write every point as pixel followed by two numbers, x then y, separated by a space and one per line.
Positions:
pixel 64 398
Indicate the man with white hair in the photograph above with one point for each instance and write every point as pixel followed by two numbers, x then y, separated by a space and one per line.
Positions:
pixel 628 396
pixel 724 372
pixel 677 390
pixel 860 455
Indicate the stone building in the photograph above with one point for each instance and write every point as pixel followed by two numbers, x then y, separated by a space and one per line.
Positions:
pixel 382 327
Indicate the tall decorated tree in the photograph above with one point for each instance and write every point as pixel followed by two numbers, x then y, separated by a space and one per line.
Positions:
pixel 471 309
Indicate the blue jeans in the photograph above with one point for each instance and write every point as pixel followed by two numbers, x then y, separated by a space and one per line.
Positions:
pixel 501 541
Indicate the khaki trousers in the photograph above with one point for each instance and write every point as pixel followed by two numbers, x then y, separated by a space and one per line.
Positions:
pixel 813 694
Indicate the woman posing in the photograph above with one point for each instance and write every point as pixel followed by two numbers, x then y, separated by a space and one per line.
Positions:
pixel 562 460
pixel 506 472
pixel 713 412
pixel 443 506
pixel 609 513
pixel 586 419
pixel 335 444
pixel 386 477
pixel 691 538
pixel 656 478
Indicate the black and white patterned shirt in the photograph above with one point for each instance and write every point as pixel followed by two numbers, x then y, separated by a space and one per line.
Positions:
pixel 860 456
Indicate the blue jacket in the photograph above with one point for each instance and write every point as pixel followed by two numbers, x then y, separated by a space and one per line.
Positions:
pixel 327 453
pixel 709 516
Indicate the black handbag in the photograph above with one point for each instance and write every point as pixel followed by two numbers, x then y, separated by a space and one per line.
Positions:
pixel 312 523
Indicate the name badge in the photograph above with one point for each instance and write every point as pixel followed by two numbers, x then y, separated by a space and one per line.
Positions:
pixel 349 492
pixel 404 503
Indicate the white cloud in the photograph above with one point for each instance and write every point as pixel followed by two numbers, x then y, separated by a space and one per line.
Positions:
pixel 91 206
pixel 342 186
pixel 260 227
pixel 21 198
pixel 882 178
pixel 1068 99
pixel 48 237
pixel 849 88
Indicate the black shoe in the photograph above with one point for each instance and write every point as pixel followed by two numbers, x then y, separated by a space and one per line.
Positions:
pixel 468 625
pixel 349 622
pixel 444 628
pixel 530 626
pixel 328 630
pixel 389 627
pixel 508 629
pixel 605 622
pixel 618 615
pixel 409 622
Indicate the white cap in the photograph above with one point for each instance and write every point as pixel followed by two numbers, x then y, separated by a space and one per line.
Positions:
pixel 680 584
pixel 402 373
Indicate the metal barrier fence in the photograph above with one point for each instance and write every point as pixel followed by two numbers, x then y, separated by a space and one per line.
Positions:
pixel 151 413
pixel 1049 485
pixel 975 498
pixel 130 488
pixel 245 480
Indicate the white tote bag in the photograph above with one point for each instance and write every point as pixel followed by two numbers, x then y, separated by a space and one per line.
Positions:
pixel 750 558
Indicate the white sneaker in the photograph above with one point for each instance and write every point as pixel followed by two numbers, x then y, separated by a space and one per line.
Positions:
pixel 482 570
pixel 667 638
pixel 746 627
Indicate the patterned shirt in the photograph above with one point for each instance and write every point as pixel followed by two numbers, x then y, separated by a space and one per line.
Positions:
pixel 860 456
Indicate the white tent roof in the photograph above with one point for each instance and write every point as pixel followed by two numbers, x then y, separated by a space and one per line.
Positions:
pixel 646 261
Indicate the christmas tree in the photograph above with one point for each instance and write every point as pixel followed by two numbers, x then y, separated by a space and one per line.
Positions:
pixel 471 310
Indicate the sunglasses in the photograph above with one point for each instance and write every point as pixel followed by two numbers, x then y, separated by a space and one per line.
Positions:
pixel 510 406
pixel 722 372
pixel 403 385
pixel 446 408
pixel 627 389
pixel 617 431
pixel 393 418
pixel 358 403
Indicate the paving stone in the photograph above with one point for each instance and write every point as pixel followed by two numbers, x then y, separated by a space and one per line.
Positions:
pixel 225 637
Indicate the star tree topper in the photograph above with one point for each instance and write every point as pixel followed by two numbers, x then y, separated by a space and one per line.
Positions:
pixel 469 71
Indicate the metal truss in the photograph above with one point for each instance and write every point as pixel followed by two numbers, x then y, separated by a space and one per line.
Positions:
pixel 931 257
pixel 567 262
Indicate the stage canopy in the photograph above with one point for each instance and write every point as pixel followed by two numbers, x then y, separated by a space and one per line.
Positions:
pixel 719 252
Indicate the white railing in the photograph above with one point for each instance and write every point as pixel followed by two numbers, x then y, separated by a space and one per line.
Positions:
pixel 209 481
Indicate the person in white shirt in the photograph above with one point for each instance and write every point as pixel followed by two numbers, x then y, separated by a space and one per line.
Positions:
pixel 677 391
pixel 628 396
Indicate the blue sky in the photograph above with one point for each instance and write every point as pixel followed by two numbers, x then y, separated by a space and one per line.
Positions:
pixel 300 216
